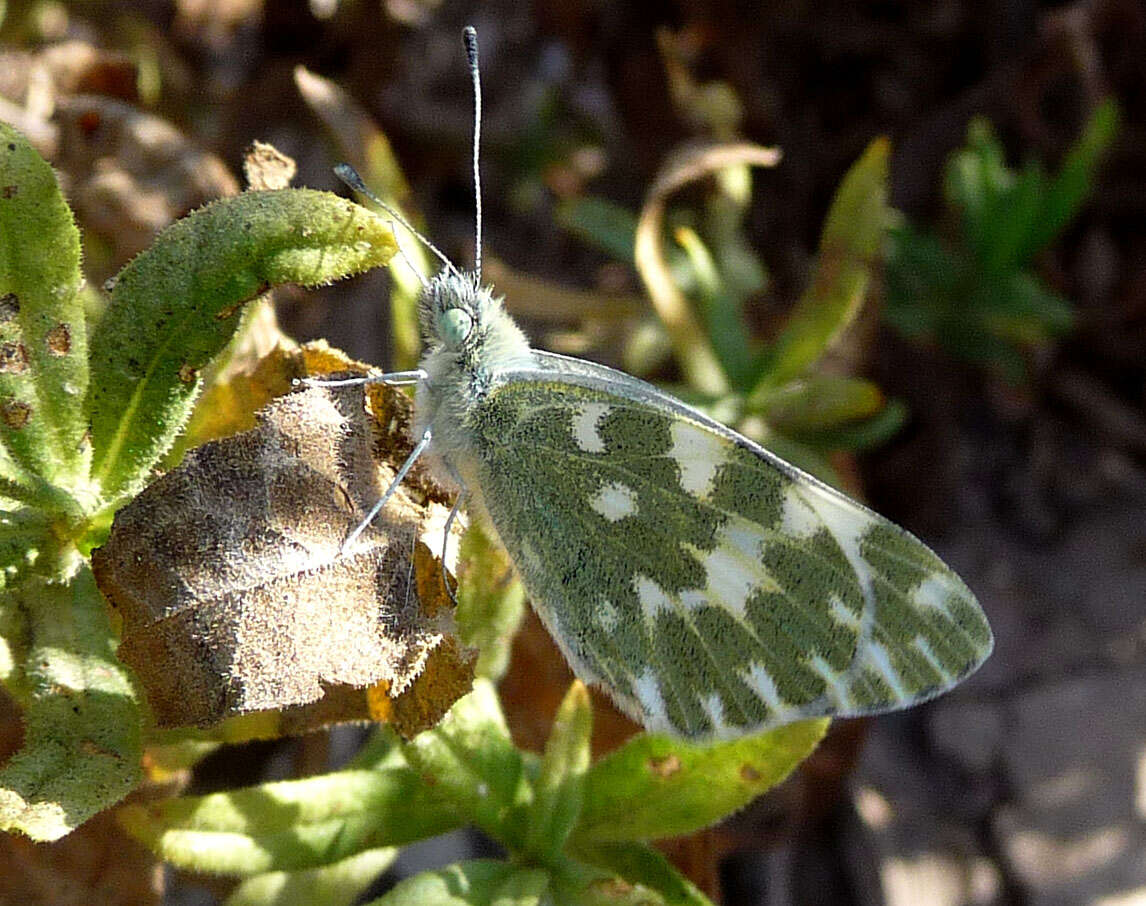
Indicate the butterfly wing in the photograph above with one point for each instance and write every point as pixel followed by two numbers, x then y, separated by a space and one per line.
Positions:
pixel 710 587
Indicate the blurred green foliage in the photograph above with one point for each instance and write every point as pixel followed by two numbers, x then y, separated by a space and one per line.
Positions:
pixel 774 390
pixel 974 290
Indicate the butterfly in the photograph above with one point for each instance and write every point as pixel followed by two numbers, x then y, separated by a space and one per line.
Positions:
pixel 711 588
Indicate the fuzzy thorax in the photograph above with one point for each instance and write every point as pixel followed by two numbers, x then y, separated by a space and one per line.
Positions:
pixel 469 340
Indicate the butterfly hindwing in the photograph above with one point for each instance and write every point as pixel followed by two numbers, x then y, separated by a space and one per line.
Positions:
pixel 710 587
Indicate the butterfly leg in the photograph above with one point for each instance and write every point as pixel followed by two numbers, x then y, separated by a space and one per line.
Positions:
pixel 393 378
pixel 418 450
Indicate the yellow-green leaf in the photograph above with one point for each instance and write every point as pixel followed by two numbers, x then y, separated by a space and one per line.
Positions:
pixel 43 338
pixel 82 747
pixel 176 305
pixel 657 786
pixel 558 788
pixel 849 244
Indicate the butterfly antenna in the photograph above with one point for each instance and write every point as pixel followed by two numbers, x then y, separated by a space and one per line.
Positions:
pixel 470 36
pixel 350 176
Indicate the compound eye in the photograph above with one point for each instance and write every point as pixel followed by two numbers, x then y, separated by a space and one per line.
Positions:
pixel 456 325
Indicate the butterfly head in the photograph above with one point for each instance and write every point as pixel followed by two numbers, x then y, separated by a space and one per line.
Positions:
pixel 463 323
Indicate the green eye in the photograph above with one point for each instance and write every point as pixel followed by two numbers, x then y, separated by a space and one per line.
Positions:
pixel 455 326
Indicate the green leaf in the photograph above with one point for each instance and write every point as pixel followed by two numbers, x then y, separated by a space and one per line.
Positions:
pixel 525 887
pixel 820 401
pixel 558 787
pixel 470 759
pixel 976 182
pixel 1065 194
pixel 923 280
pixel 292 825
pixel 82 748
pixel 475 883
pixel 601 222
pixel 656 786
pixel 866 434
pixel 849 244
pixel 30 545
pixel 575 883
pixel 1017 213
pixel 174 307
pixel 639 863
pixel 339 884
pixel 722 310
pixel 491 602
pixel 359 141
pixel 43 337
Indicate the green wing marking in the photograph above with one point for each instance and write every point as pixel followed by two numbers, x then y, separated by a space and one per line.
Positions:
pixel 712 589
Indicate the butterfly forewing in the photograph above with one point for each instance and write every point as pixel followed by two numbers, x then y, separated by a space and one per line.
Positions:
pixel 711 588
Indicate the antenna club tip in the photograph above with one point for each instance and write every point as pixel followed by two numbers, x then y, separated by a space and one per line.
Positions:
pixel 470 37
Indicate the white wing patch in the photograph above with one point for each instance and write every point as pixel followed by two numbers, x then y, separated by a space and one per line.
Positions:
pixel 652 597
pixel 698 454
pixel 608 615
pixel 728 581
pixel 648 692
pixel 585 422
pixel 761 681
pixel 799 519
pixel 847 522
pixel 745 539
pixel 615 501
pixel 714 708
pixel 878 659
pixel 844 615
pixel 933 591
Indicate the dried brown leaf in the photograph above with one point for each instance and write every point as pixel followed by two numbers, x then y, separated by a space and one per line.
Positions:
pixel 235 594
pixel 266 168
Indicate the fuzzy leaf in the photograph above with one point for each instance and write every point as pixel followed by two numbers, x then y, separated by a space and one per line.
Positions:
pixel 82 745
pixel 656 786
pixel 292 825
pixel 470 759
pixel 338 884
pixel 43 338
pixel 576 883
pixel 491 601
pixel 174 307
pixel 558 788
pixel 849 244
pixel 481 882
pixel 640 864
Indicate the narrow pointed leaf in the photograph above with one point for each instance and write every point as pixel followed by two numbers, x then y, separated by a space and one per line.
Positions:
pixel 82 747
pixel 1066 192
pixel 849 244
pixel 43 338
pixel 655 786
pixel 292 825
pixel 175 306
pixel 558 787
pixel 338 884
pixel 820 401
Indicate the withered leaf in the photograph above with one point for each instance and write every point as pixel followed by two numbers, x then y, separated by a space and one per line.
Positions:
pixel 234 592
